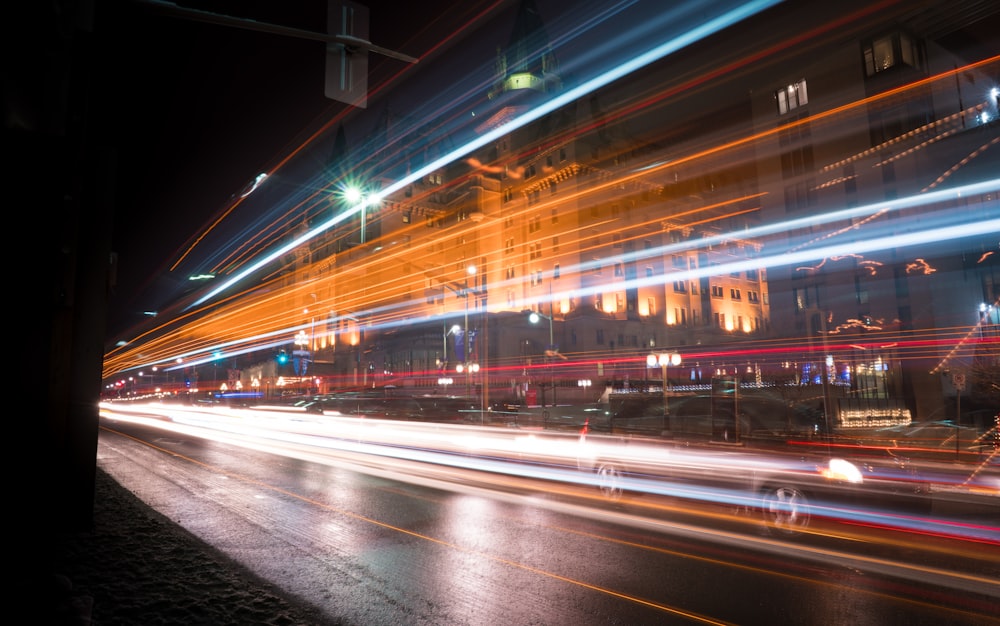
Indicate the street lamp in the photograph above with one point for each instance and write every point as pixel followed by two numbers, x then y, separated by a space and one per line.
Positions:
pixel 533 318
pixel 464 364
pixel 301 355
pixel 664 360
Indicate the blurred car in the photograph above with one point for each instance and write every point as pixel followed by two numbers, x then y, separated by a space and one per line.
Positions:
pixel 705 417
pixel 787 484
pixel 430 408
pixel 782 467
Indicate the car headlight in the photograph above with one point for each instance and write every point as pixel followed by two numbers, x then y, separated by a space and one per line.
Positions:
pixel 845 471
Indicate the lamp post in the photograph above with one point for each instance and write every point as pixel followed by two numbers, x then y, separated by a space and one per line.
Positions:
pixel 466 347
pixel 301 355
pixel 360 339
pixel 533 318
pixel 464 364
pixel 664 360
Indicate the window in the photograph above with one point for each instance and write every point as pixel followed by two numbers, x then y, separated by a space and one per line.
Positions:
pixel 792 97
pixel 717 291
pixel 735 294
pixel 649 271
pixel 651 306
pixel 797 162
pixel 891 51
pixel 795 129
pixel 555 271
pixel 555 245
pixel 800 196
pixel 801 297
pixel 680 286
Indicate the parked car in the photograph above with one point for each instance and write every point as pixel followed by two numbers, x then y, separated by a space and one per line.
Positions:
pixel 431 408
pixel 704 417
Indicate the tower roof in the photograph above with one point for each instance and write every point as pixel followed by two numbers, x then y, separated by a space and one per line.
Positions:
pixel 528 61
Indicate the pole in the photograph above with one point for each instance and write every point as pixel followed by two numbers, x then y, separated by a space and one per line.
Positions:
pixel 484 366
pixel 552 377
pixel 465 343
pixel 958 416
pixel 666 399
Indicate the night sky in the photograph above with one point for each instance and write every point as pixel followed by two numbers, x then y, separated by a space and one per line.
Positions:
pixel 197 109
pixel 200 108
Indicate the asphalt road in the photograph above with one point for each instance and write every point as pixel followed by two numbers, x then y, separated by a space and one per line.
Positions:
pixel 376 541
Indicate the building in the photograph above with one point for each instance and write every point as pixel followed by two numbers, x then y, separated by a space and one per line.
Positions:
pixel 746 203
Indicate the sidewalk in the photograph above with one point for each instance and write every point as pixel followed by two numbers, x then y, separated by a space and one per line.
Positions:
pixel 137 567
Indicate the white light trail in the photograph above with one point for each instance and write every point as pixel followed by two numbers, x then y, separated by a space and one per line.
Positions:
pixel 682 472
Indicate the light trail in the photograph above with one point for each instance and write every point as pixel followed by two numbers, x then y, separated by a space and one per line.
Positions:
pixel 688 473
pixel 927 232
pixel 201 341
pixel 709 27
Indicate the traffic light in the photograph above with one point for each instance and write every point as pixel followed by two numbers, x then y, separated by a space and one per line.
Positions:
pixel 282 357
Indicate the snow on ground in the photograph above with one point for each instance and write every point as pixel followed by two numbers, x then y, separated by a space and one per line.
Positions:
pixel 137 567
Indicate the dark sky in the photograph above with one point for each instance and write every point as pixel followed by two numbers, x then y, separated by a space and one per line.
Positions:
pixel 201 108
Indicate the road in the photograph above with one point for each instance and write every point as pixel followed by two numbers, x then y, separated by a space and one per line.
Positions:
pixel 388 540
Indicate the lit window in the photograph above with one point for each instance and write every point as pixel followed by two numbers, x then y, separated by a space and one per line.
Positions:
pixel 792 97
pixel 890 51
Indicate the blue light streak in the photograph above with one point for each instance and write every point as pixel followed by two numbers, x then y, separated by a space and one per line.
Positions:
pixel 635 63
